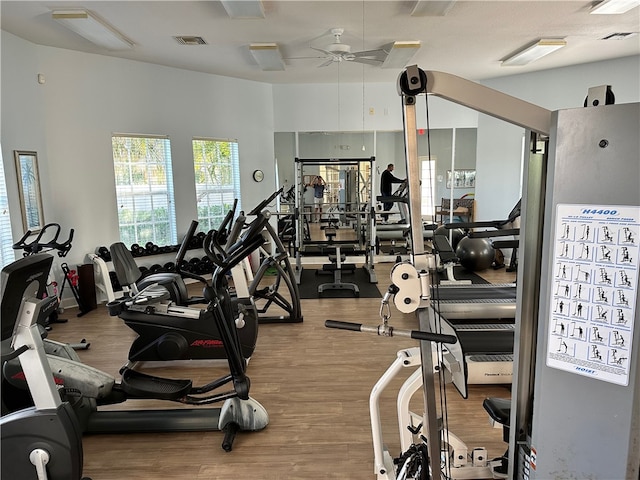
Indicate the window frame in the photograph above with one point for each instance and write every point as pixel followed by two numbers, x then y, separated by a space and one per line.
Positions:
pixel 217 199
pixel 150 224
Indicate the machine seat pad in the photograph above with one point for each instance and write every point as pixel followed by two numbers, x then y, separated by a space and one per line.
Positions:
pixel 444 249
pixel 334 258
pixel 140 385
pixel 499 409
pixel 345 267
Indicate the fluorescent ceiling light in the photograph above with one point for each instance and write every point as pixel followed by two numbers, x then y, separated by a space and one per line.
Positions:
pixel 267 56
pixel 90 27
pixel 431 8
pixel 400 53
pixel 614 7
pixel 534 52
pixel 243 8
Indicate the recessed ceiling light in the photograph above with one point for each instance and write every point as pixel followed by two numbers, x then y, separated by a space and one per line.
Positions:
pixel 97 31
pixel 614 7
pixel 267 56
pixel 534 52
pixel 243 8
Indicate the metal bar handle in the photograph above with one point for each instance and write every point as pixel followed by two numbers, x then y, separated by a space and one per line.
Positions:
pixel 390 332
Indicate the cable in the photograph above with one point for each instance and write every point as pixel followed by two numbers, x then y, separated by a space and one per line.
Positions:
pixel 438 325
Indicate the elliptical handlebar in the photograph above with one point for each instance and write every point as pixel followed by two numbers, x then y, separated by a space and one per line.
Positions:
pixel 261 206
pixel 223 231
pixel 237 227
pixel 184 246
pixel 251 239
pixel 182 251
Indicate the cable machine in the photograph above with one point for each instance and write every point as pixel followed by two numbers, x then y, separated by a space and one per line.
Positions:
pixel 353 204
pixel 585 418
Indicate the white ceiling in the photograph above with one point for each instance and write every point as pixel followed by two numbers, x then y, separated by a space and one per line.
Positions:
pixel 469 41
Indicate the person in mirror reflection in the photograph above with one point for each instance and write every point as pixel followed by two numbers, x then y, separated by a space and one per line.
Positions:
pixel 318 185
pixel 387 179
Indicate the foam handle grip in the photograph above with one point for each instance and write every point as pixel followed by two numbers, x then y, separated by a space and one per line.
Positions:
pixel 433 337
pixel 356 327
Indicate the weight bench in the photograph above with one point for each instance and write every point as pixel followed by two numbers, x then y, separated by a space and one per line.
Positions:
pixel 448 260
pixel 337 266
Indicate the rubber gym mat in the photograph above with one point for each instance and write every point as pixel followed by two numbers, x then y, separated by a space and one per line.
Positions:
pixel 463 274
pixel 310 281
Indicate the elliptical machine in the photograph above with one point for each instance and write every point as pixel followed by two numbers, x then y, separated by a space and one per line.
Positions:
pixel 44 441
pixel 92 388
pixel 274 275
pixel 167 331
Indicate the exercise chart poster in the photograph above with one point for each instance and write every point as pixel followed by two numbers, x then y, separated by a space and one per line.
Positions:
pixel 593 297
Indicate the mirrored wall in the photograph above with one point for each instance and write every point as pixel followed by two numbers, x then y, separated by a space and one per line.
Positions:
pixel 447 159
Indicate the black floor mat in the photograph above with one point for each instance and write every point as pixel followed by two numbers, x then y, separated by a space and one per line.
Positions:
pixel 310 281
pixel 462 274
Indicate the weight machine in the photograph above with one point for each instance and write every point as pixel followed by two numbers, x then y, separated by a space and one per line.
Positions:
pixel 554 191
pixel 565 187
pixel 354 202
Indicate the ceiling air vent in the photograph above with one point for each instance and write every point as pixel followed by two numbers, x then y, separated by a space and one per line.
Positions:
pixel 620 36
pixel 190 40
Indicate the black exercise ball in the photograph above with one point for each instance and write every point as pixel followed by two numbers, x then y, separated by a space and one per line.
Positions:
pixel 457 234
pixel 475 254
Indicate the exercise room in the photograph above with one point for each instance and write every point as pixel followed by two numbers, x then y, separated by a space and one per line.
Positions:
pixel 320 240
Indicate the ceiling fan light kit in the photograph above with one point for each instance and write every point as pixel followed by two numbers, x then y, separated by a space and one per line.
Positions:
pixel 395 55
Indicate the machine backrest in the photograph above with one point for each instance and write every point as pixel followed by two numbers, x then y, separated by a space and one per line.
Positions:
pixel 124 264
pixel 23 278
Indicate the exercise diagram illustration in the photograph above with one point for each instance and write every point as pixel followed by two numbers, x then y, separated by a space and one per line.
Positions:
pixel 595 274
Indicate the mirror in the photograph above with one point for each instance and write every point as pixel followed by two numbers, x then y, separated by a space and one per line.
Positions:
pixel 29 189
pixel 437 162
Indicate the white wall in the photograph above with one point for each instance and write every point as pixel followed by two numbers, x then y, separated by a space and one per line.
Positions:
pixel 500 144
pixel 70 119
pixel 309 108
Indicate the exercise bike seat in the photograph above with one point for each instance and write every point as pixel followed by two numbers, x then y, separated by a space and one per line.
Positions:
pixel 128 273
pixel 499 409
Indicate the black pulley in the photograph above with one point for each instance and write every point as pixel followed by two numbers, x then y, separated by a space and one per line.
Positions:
pixel 413 81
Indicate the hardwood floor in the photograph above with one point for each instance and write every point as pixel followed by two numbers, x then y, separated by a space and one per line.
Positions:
pixel 313 381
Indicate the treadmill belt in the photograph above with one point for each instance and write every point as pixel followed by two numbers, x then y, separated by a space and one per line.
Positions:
pixel 479 292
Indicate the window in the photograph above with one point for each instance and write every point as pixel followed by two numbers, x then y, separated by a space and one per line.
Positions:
pixel 144 189
pixel 217 170
pixel 6 251
pixel 427 179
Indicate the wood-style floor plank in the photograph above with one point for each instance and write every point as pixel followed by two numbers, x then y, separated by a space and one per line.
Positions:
pixel 314 382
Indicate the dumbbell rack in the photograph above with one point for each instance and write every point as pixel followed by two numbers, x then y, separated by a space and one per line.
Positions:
pixel 107 283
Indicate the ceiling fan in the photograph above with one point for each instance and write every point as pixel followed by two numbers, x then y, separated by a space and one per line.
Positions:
pixel 341 52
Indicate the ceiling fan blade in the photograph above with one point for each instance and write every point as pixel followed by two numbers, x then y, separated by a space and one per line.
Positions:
pixel 368 61
pixel 327 63
pixel 371 53
pixel 304 58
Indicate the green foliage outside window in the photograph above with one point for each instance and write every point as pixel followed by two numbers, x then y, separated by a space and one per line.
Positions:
pixel 144 189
